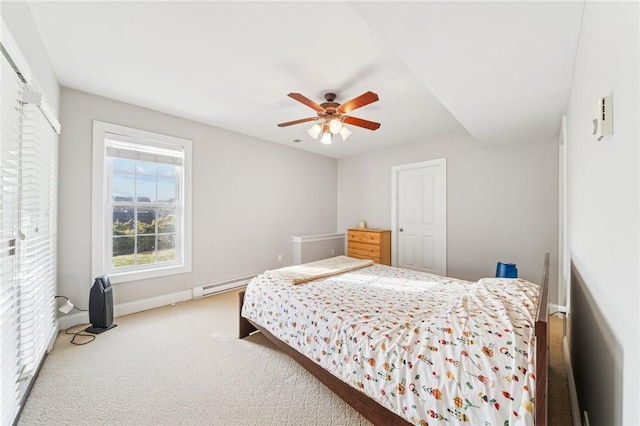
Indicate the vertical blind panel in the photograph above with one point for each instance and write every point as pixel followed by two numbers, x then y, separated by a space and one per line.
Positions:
pixel 10 87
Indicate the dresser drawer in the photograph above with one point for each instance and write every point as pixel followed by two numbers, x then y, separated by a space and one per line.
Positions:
pixel 364 237
pixel 358 256
pixel 364 249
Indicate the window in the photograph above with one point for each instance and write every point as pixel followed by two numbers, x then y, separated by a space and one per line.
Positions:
pixel 142 207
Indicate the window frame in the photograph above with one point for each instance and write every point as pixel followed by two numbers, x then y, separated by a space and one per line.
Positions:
pixel 102 231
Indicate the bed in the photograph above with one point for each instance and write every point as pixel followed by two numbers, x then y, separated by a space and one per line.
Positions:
pixel 406 347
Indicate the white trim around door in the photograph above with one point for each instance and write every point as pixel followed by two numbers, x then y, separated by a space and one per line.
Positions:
pixel 564 268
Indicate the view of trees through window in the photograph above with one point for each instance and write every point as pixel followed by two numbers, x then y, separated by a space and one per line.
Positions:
pixel 144 212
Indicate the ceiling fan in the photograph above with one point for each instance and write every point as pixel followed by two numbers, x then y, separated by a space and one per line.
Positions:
pixel 332 115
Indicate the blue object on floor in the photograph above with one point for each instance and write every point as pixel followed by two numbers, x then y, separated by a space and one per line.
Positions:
pixel 506 270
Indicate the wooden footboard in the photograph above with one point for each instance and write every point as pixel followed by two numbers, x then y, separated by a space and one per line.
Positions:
pixel 376 413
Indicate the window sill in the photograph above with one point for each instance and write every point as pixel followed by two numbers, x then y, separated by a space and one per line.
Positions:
pixel 123 277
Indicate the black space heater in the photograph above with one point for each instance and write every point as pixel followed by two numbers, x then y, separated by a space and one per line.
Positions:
pixel 101 306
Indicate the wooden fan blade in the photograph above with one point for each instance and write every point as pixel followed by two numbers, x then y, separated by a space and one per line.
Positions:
pixel 371 125
pixel 308 102
pixel 360 101
pixel 302 120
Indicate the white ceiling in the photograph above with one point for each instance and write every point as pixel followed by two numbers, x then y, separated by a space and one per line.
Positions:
pixel 499 70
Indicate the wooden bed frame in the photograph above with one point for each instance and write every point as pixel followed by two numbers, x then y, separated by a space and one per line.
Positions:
pixel 376 413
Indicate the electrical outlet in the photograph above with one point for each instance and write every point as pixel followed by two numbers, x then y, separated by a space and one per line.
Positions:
pixel 333 252
pixel 279 258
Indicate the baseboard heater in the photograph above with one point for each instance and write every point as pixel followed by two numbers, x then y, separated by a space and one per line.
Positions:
pixel 221 286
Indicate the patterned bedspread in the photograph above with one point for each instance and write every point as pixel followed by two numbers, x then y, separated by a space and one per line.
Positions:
pixel 432 349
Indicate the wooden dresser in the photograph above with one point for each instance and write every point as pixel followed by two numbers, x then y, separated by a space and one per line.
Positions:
pixel 374 244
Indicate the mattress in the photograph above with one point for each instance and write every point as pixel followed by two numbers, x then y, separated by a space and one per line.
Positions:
pixel 432 349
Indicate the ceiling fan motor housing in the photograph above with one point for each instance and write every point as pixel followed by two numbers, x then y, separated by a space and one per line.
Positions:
pixel 330 96
pixel 330 107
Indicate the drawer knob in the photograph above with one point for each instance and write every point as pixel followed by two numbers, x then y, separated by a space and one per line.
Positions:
pixel 400 229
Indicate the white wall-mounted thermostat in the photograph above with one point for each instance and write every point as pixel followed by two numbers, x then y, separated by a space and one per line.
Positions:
pixel 603 123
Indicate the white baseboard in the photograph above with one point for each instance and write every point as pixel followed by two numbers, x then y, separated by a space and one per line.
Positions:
pixel 153 302
pixel 67 321
pixel 70 320
pixel 573 393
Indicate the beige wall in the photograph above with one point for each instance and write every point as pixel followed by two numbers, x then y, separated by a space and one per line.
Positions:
pixel 603 201
pixel 249 197
pixel 501 201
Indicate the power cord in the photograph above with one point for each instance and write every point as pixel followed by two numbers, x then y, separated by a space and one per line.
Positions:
pixel 80 333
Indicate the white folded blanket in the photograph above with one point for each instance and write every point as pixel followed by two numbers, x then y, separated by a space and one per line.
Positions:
pixel 299 274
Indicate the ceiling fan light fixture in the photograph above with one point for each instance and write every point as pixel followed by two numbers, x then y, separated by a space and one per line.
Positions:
pixel 345 133
pixel 326 138
pixel 335 125
pixel 315 131
pixel 330 116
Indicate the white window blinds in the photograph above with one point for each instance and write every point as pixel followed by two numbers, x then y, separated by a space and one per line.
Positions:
pixel 37 236
pixel 119 146
pixel 28 180
pixel 9 279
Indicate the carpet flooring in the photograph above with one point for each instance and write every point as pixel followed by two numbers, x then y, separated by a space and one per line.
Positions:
pixel 184 365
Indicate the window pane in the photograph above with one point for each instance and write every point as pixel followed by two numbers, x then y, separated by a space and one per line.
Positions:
pixel 166 248
pixel 167 183
pixel 123 181
pixel 123 248
pixel 146 221
pixel 146 250
pixel 166 220
pixel 146 182
pixel 123 221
